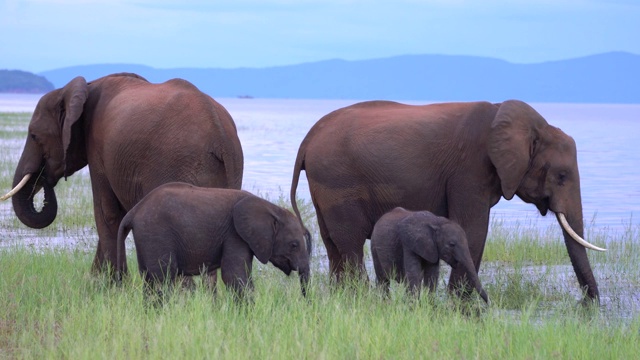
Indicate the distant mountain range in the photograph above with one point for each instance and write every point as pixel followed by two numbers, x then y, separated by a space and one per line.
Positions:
pixel 17 81
pixel 604 78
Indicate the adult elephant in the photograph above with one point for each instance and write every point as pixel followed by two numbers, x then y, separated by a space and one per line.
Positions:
pixel 453 159
pixel 135 136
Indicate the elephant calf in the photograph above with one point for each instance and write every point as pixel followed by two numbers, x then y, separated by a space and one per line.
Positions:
pixel 181 229
pixel 408 246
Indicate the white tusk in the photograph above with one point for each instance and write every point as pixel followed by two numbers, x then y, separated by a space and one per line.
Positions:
pixel 17 188
pixel 576 237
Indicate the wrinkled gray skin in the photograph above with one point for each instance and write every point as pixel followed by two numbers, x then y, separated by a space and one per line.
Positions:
pixel 407 246
pixel 454 159
pixel 134 136
pixel 179 229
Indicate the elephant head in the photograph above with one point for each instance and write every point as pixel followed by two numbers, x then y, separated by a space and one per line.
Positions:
pixel 274 235
pixel 538 163
pixel 53 149
pixel 440 240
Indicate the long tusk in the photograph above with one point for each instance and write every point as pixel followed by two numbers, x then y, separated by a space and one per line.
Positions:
pixel 17 188
pixel 576 237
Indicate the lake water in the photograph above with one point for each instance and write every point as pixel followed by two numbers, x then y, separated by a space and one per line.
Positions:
pixel 607 136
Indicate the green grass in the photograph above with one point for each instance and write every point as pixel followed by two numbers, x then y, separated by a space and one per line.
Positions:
pixel 522 243
pixel 13 133
pixel 52 306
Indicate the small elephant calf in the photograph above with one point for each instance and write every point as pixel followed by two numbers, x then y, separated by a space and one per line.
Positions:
pixel 409 245
pixel 181 229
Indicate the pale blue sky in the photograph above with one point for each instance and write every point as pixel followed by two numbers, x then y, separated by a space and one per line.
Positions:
pixel 38 35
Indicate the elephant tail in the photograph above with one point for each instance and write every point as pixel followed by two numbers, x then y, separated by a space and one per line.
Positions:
pixel 229 150
pixel 297 168
pixel 121 254
pixel 234 165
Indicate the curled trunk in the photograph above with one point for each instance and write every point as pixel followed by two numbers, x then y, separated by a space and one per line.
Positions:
pixel 23 203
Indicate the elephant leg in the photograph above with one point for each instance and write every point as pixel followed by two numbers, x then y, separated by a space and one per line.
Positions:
pixel 108 215
pixel 431 275
pixel 160 274
pixel 346 231
pixel 236 278
pixel 164 269
pixel 383 283
pixel 353 266
pixel 382 278
pixel 413 272
pixel 235 270
pixel 336 266
pixel 474 219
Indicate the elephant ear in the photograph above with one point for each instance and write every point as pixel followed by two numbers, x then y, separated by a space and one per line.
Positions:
pixel 256 224
pixel 74 95
pixel 419 237
pixel 512 142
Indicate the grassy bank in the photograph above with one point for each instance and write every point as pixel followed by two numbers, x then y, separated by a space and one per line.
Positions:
pixel 52 307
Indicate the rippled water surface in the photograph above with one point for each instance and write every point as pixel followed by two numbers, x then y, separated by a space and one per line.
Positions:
pixel 607 137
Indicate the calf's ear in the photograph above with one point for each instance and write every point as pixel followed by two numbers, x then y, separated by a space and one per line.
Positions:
pixel 419 238
pixel 256 224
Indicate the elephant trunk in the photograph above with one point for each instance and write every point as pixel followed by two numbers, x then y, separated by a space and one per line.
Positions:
pixel 472 275
pixel 23 202
pixel 578 254
pixel 304 279
pixel 484 296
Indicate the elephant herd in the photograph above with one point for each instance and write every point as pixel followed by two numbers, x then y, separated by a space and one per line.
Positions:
pixel 166 163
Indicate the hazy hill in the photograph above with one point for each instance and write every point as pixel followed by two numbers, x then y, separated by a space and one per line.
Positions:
pixel 16 81
pixel 605 78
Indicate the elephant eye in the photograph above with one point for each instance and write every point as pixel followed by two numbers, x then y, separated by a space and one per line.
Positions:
pixel 294 244
pixel 562 177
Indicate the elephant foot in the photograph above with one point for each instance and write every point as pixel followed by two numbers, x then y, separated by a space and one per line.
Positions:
pixel 462 291
pixel 588 302
pixel 106 269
